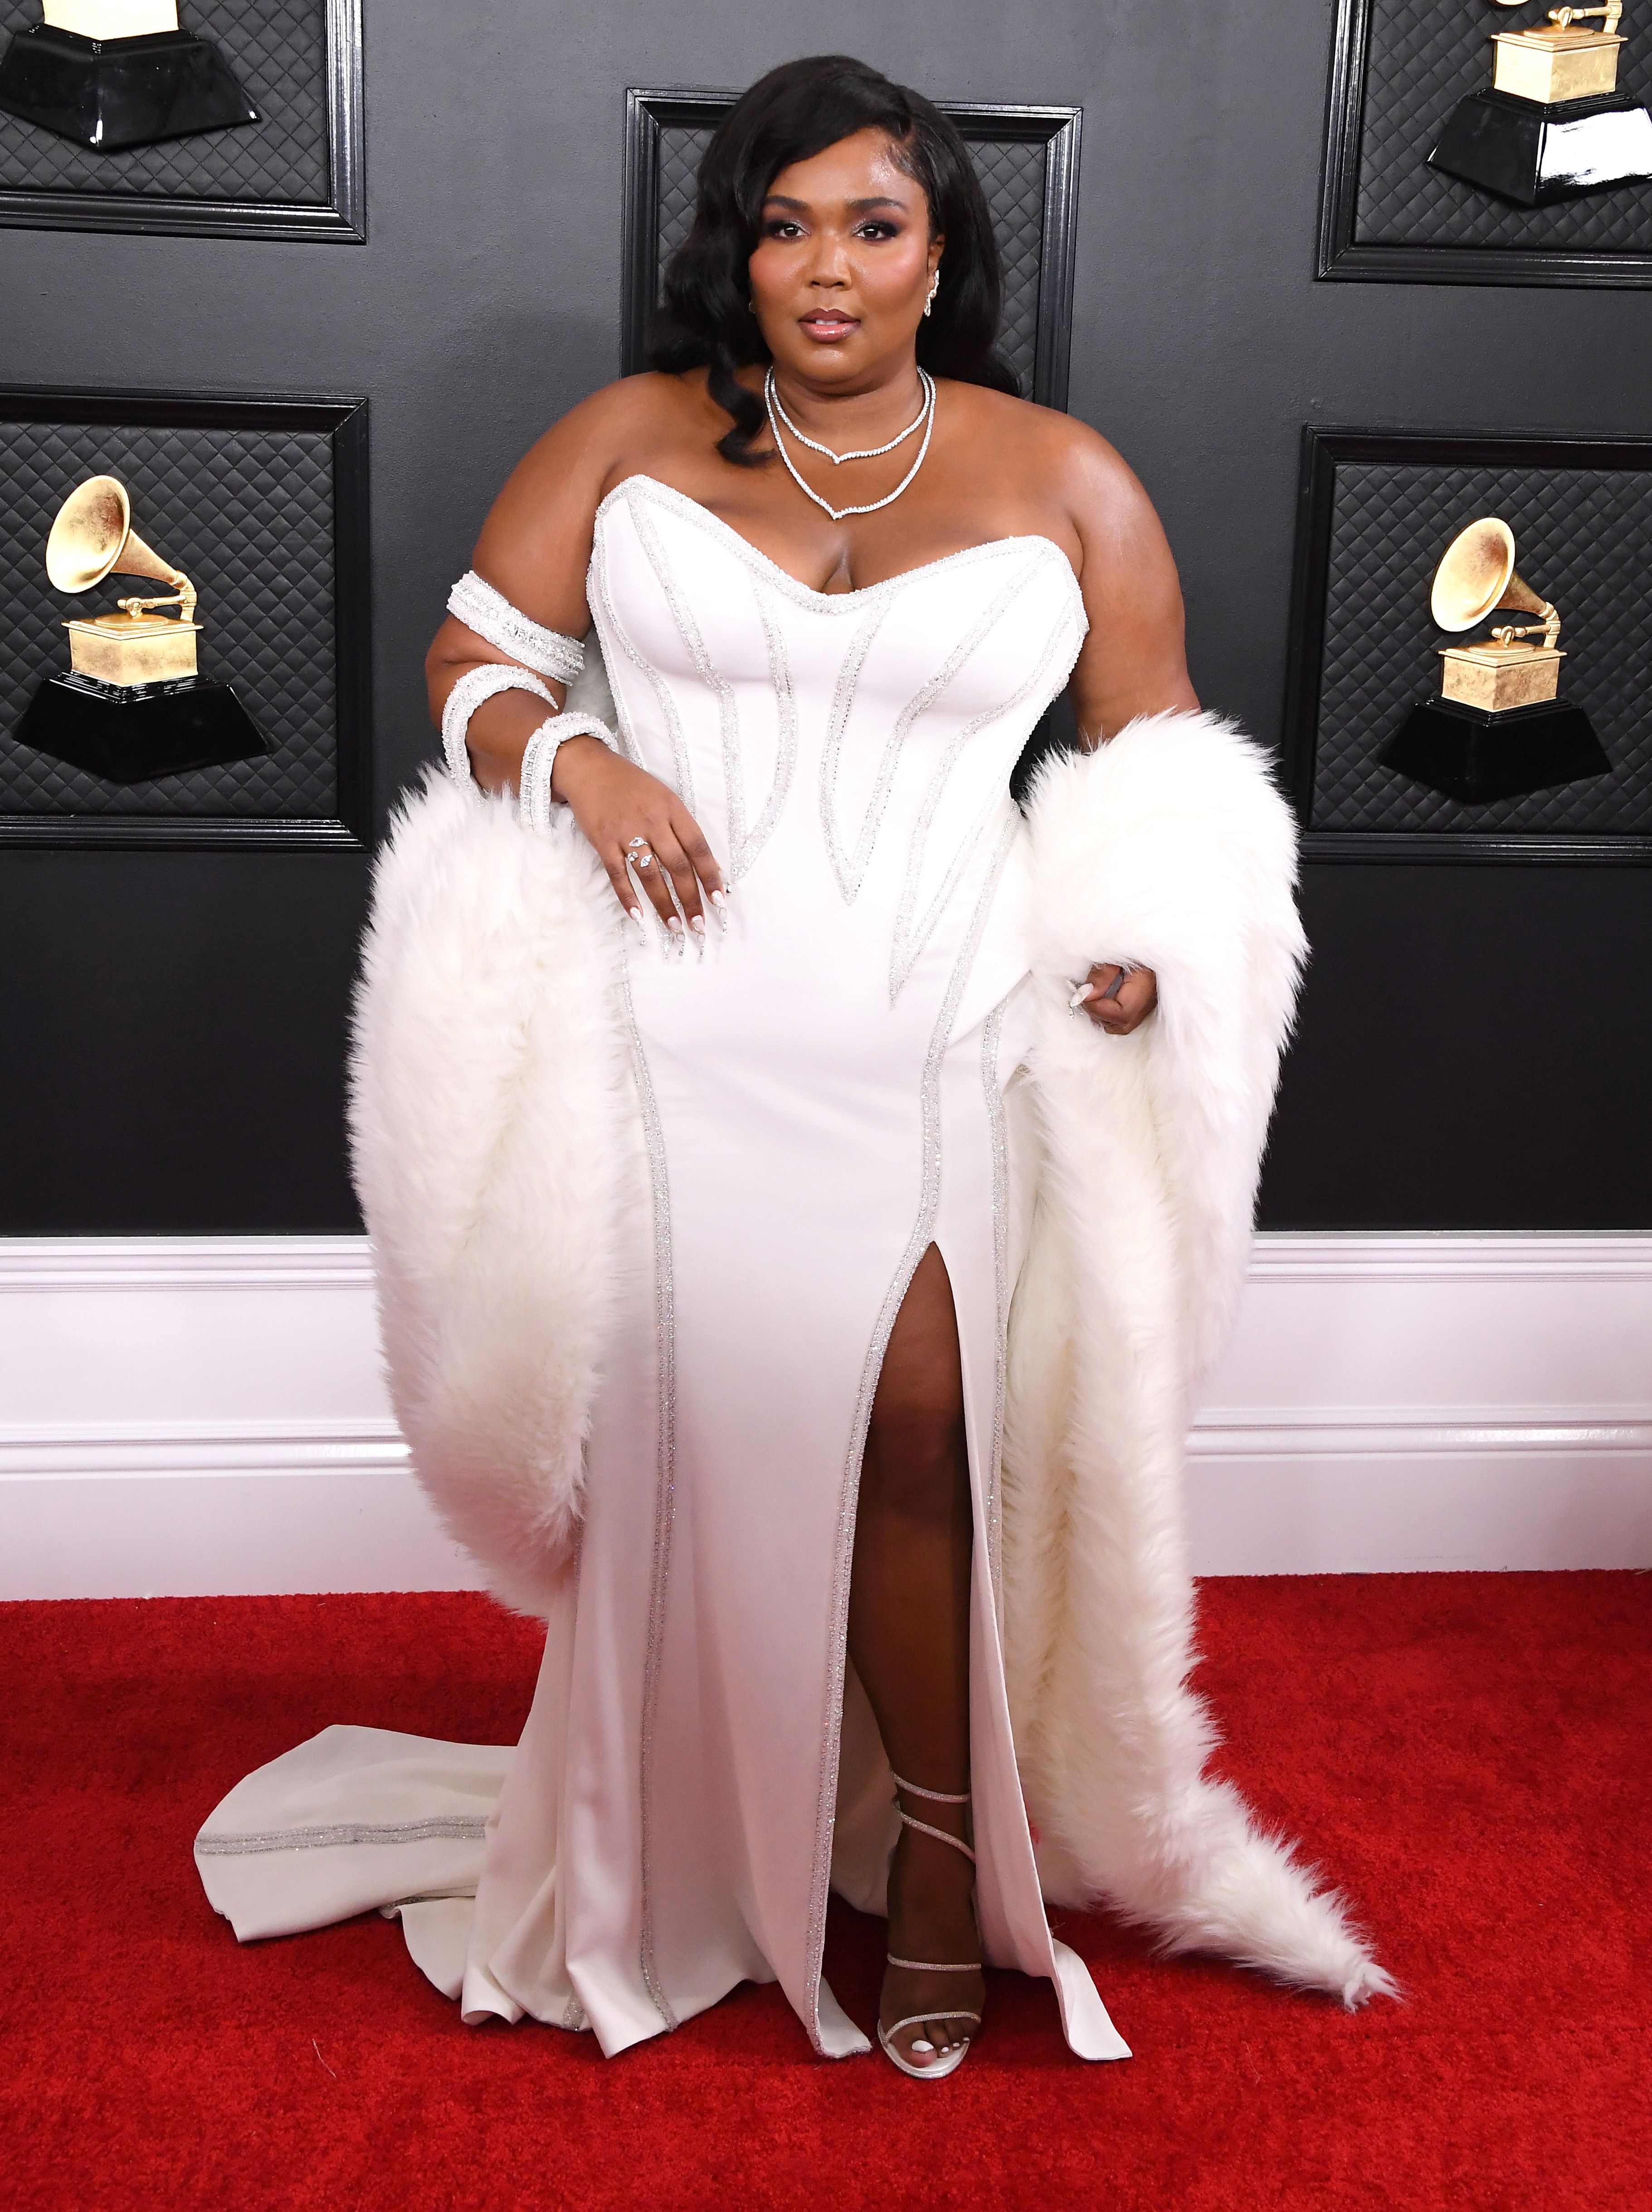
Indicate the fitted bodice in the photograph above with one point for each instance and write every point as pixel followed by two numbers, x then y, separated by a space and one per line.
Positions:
pixel 865 738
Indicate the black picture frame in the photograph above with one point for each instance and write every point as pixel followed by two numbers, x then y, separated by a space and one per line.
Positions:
pixel 1323 451
pixel 647 111
pixel 341 221
pixel 343 419
pixel 1342 258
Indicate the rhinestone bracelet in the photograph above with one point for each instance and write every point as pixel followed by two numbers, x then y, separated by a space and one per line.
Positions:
pixel 539 758
pixel 467 694
pixel 490 614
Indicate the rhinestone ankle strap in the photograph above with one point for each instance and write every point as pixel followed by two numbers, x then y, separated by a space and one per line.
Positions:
pixel 936 1797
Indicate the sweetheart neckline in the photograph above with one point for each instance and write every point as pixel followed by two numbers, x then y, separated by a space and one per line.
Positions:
pixel 703 513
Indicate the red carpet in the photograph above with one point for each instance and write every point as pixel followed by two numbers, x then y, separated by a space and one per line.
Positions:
pixel 1470 1757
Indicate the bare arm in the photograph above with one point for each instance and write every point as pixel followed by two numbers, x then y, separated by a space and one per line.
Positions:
pixel 535 547
pixel 1133 662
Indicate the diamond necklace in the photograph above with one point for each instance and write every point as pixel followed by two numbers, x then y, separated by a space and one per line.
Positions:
pixel 777 416
pixel 771 392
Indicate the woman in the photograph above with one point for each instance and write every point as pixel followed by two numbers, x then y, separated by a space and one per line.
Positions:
pixel 720 1083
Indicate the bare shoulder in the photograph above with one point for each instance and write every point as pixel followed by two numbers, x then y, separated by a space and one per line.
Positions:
pixel 1075 463
pixel 1085 488
pixel 576 457
pixel 535 545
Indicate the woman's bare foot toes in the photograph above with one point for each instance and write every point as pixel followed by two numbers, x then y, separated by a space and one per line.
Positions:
pixel 925 2042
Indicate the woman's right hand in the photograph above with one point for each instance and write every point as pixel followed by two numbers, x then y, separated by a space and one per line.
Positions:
pixel 629 817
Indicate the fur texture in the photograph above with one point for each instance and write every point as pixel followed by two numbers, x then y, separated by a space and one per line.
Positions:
pixel 489 1095
pixel 492 1113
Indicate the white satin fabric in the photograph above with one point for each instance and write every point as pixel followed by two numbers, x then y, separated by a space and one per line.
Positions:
pixel 826 1089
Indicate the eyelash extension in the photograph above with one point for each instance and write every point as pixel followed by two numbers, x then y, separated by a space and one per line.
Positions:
pixel 886 229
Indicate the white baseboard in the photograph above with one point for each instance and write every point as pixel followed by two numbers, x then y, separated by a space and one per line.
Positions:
pixel 205 1416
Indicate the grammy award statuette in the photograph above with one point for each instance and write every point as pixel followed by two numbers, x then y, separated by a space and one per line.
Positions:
pixel 115 73
pixel 1498 730
pixel 1553 123
pixel 132 705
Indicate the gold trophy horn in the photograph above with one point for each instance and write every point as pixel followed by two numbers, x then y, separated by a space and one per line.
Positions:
pixel 1477 577
pixel 1498 729
pixel 93 538
pixel 131 706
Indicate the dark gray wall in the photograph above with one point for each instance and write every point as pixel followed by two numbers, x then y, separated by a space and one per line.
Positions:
pixel 1474 1048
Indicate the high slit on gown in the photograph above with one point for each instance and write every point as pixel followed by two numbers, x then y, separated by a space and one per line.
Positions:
pixel 826 1090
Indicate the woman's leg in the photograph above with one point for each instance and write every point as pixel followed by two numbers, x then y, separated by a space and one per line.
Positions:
pixel 909 1640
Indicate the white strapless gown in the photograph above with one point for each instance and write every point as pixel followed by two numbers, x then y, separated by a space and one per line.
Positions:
pixel 827 1089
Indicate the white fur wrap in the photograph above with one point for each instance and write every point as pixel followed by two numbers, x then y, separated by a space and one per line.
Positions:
pixel 492 1110
pixel 489 1090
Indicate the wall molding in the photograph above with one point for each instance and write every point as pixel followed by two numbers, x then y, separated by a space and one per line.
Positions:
pixel 225 1263
pixel 1452 1256
pixel 1307 1255
pixel 1389 1401
pixel 70 1450
pixel 1375 1432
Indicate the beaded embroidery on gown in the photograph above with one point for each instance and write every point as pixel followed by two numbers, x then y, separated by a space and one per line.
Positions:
pixel 830 1088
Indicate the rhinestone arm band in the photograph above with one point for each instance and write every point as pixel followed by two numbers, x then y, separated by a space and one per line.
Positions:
pixel 533 784
pixel 477 684
pixel 491 614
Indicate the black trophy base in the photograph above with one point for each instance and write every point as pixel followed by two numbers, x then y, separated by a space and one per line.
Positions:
pixel 132 734
pixel 108 93
pixel 1532 154
pixel 1474 754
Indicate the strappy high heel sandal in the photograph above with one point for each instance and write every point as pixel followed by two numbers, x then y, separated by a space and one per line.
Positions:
pixel 956 2057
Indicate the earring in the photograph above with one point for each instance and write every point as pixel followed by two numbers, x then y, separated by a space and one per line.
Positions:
pixel 935 287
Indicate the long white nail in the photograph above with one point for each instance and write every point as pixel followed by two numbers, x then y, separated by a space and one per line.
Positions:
pixel 698 925
pixel 1079 997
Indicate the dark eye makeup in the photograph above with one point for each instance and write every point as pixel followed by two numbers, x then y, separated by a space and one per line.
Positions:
pixel 878 229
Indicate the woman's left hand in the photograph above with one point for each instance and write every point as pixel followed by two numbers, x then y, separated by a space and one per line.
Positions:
pixel 1118 1010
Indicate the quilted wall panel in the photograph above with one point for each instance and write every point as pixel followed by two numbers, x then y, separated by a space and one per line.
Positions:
pixel 1011 172
pixel 278 50
pixel 247 514
pixel 1423 56
pixel 1583 539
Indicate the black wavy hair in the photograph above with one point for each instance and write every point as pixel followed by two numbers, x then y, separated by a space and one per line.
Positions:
pixel 794 113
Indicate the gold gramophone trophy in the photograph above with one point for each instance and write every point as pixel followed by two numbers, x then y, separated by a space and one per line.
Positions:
pixel 1553 123
pixel 115 73
pixel 1498 730
pixel 133 705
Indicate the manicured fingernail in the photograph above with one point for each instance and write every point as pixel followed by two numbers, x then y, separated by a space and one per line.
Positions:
pixel 698 925
pixel 1079 997
pixel 635 912
pixel 675 923
pixel 719 898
